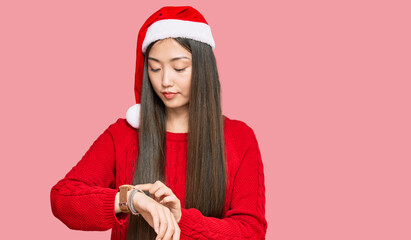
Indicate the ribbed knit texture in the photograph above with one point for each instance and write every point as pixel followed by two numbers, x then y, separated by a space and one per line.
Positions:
pixel 84 198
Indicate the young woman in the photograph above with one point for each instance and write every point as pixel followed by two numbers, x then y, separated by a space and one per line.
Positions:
pixel 182 168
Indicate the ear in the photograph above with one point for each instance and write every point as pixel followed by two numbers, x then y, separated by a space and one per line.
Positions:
pixel 133 115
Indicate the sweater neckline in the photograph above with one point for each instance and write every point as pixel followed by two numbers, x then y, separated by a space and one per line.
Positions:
pixel 182 137
pixel 176 136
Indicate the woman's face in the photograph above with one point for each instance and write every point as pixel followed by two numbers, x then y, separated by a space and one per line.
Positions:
pixel 169 70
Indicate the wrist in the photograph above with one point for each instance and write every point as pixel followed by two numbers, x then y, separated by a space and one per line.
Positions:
pixel 131 203
pixel 137 200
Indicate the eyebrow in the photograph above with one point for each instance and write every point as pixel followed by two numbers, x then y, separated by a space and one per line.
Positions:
pixel 173 59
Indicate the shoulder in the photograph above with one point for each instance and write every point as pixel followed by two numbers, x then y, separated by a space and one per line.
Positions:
pixel 121 125
pixel 239 132
pixel 237 126
pixel 122 131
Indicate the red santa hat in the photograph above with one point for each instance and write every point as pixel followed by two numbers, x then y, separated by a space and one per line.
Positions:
pixel 171 21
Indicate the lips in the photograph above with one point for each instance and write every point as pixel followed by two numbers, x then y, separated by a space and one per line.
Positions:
pixel 169 95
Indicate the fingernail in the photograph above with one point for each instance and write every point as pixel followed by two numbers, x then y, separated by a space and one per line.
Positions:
pixel 157 231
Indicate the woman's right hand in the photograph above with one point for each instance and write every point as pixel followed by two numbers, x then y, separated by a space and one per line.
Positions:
pixel 157 216
pixel 164 195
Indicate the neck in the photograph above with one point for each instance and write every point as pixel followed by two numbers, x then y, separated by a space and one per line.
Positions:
pixel 177 120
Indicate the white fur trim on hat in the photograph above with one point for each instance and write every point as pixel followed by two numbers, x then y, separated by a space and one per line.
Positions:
pixel 133 115
pixel 178 28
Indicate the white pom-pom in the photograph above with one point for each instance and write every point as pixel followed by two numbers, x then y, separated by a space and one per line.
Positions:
pixel 133 115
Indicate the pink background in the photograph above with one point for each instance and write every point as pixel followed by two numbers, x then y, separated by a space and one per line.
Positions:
pixel 324 84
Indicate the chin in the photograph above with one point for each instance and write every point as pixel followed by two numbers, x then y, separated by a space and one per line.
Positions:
pixel 176 106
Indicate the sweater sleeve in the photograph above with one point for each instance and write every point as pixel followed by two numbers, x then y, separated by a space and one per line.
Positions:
pixel 84 198
pixel 245 218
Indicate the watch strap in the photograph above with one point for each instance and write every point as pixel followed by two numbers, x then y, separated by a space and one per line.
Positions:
pixel 123 197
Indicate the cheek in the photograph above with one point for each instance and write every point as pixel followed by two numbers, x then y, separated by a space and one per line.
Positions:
pixel 153 83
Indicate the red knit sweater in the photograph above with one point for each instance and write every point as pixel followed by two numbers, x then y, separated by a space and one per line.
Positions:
pixel 84 198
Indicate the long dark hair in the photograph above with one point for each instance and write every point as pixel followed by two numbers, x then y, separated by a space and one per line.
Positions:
pixel 206 165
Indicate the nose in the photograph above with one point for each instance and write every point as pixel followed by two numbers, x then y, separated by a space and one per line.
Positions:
pixel 167 78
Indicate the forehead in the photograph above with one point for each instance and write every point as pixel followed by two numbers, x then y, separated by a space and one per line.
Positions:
pixel 167 49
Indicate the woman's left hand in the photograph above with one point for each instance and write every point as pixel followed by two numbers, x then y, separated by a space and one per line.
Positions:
pixel 163 195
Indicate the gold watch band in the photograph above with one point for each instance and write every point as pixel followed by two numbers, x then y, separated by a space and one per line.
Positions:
pixel 123 197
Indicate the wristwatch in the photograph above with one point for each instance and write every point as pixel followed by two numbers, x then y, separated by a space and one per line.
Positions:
pixel 123 197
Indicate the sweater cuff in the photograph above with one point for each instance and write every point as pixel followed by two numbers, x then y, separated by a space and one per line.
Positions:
pixel 186 223
pixel 109 213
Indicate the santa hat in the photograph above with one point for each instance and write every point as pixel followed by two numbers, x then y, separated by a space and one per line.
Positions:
pixel 171 21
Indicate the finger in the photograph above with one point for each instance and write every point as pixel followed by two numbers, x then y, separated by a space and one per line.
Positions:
pixel 170 227
pixel 176 235
pixel 163 222
pixel 161 193
pixel 172 199
pixel 157 185
pixel 144 187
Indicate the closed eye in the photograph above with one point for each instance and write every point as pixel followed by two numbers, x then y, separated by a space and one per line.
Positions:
pixel 154 70
pixel 180 70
